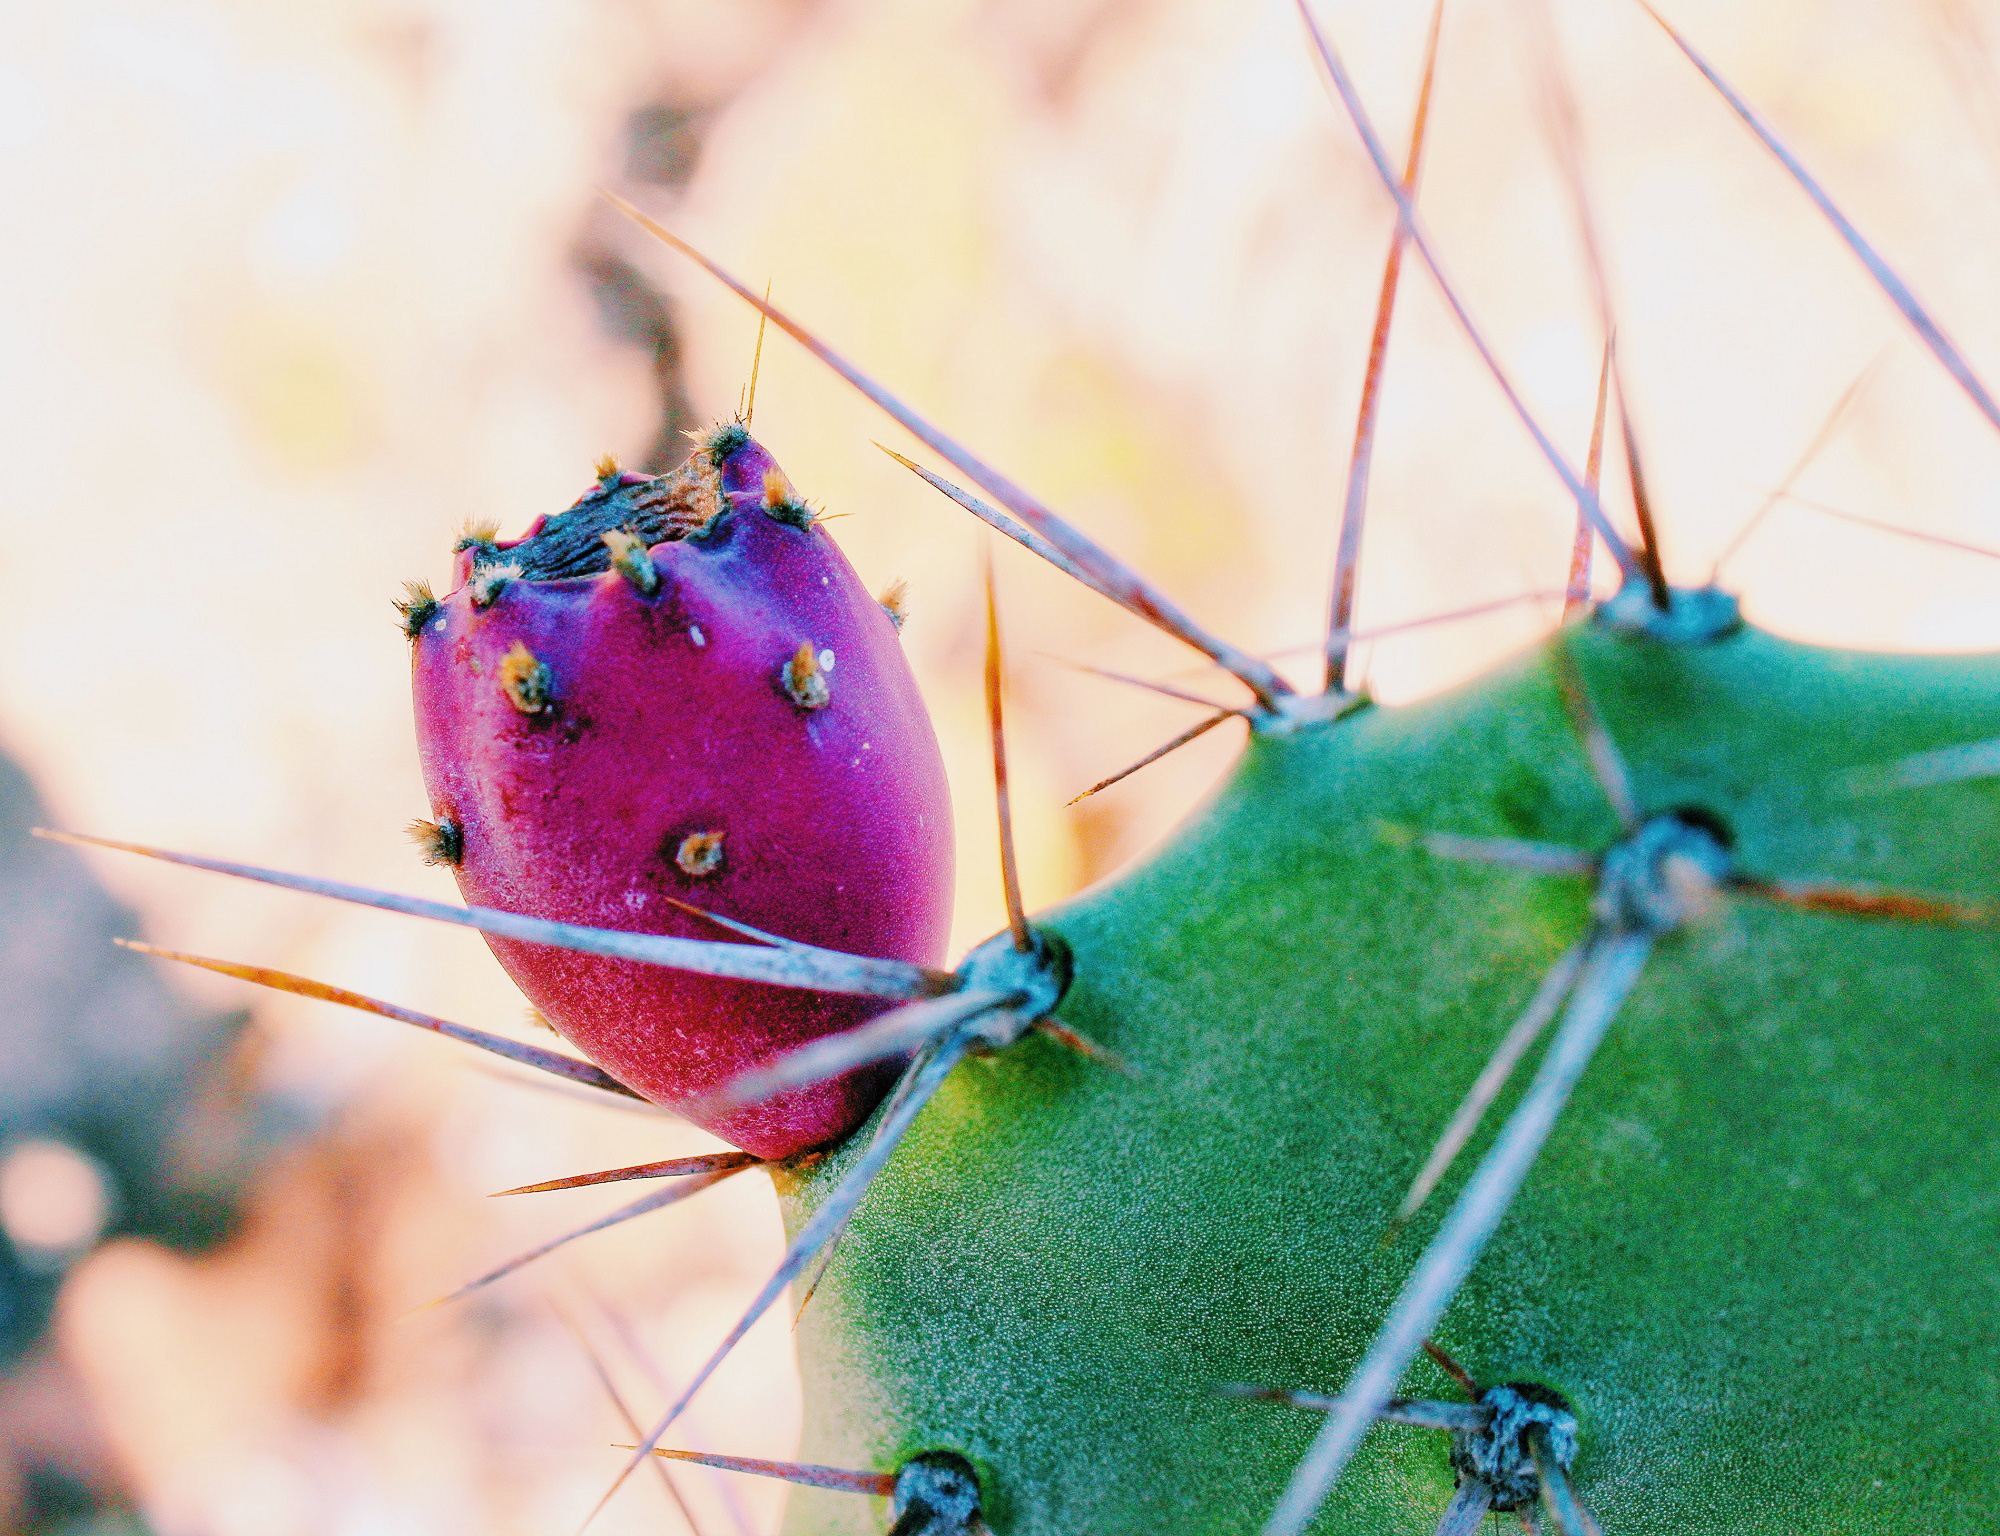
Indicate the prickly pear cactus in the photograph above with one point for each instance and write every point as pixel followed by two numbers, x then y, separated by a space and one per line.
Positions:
pixel 1755 1256
pixel 1566 1102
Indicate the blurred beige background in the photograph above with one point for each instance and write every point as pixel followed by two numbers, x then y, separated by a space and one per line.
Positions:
pixel 289 292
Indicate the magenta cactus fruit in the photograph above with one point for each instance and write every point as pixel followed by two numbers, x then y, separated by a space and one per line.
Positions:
pixel 677 693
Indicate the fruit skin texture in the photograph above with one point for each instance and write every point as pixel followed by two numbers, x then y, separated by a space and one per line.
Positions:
pixel 1757 1254
pixel 668 720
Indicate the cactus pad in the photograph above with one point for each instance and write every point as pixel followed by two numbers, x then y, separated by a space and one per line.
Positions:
pixel 1756 1254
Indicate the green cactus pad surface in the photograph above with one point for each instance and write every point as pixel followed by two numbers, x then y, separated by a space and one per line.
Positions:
pixel 1757 1255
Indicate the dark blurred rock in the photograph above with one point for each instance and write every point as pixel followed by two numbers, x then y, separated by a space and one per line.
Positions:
pixel 97 1053
pixel 123 1112
pixel 663 144
pixel 632 310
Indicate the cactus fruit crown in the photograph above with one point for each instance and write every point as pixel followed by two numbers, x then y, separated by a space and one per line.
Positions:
pixel 1190 1205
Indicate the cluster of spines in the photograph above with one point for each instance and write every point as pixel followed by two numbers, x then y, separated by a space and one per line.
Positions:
pixel 700 854
pixel 416 608
pixel 720 442
pixel 782 504
pixel 631 559
pixel 806 677
pixel 440 842
pixel 526 680
pixel 895 601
